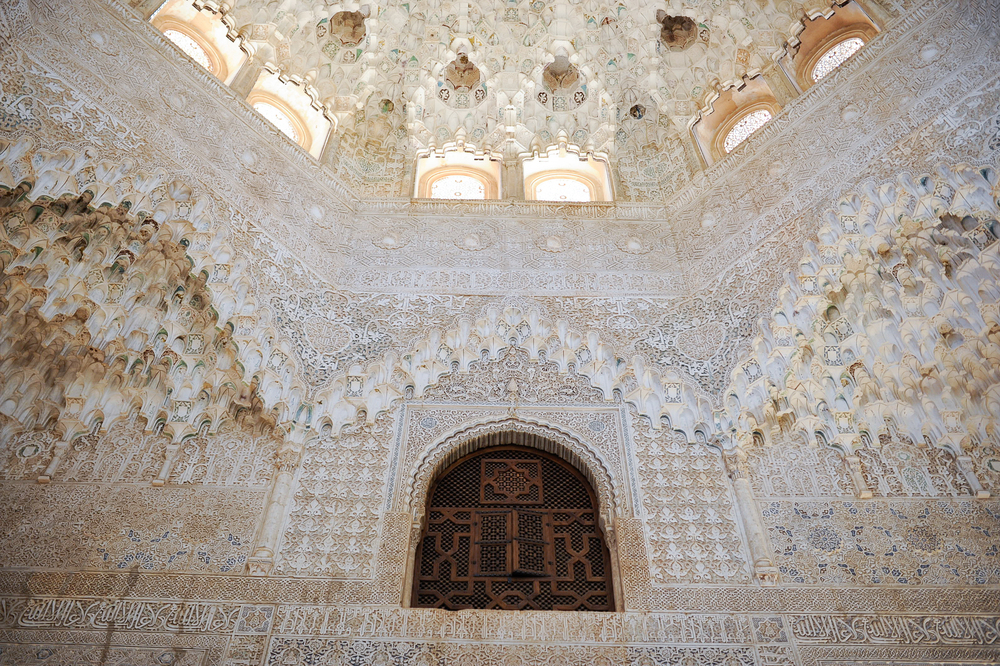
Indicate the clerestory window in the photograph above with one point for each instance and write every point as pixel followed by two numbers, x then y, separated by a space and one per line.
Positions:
pixel 733 117
pixel 835 57
pixel 457 173
pixel 202 35
pixel 562 174
pixel 190 47
pixel 289 107
pixel 826 41
pixel 746 126
pixel 458 187
pixel 278 118
pixel 563 189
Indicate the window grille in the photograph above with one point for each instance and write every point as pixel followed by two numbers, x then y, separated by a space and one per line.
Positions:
pixel 512 528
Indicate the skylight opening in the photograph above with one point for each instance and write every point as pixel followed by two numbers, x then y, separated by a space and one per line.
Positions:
pixel 458 187
pixel 747 125
pixel 836 57
pixel 563 189
pixel 278 118
pixel 192 48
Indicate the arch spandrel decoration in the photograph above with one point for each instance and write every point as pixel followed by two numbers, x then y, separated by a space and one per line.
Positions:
pixel 611 495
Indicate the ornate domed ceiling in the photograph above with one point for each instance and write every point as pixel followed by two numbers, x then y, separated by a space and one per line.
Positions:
pixel 623 79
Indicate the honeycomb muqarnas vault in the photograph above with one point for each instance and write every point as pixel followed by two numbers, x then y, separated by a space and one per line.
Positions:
pixel 545 332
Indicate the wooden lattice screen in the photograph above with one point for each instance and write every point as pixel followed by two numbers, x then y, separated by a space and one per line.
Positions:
pixel 512 528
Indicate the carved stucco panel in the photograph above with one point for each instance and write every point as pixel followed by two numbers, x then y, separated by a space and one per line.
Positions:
pixel 333 523
pixel 139 528
pixel 884 542
pixel 690 521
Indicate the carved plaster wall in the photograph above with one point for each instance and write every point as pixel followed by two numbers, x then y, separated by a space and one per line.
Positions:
pixel 223 395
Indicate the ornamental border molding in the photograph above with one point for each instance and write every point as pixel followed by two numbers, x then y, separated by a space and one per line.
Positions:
pixel 164 586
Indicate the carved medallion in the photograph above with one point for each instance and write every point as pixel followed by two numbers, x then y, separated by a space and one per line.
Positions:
pixel 702 341
pixel 326 336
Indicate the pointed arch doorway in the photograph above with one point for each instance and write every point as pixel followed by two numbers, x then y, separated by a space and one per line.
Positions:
pixel 512 527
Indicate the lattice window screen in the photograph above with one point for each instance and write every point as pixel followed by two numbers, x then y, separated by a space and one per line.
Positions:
pixel 512 528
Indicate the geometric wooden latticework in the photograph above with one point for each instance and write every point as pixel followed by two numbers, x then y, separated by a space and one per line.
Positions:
pixel 512 528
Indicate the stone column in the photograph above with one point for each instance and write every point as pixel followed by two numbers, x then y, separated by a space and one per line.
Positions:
pixel 968 471
pixel 393 561
pixel 178 431
pixel 858 477
pixel 512 179
pixel 746 507
pixel 696 156
pixel 57 456
pixel 146 8
pixel 330 147
pixel 781 87
pixel 289 458
pixel 246 77
pixel 784 64
pixel 879 11
pixel 635 590
pixel 168 464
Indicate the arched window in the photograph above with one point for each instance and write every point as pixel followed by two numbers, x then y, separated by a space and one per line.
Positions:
pixel 512 528
pixel 454 173
pixel 202 35
pixel 733 117
pixel 826 41
pixel 563 189
pixel 564 174
pixel 835 57
pixel 291 107
pixel 278 118
pixel 746 126
pixel 456 186
pixel 190 47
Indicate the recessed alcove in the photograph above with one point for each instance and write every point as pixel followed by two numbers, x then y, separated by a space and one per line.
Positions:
pixel 457 174
pixel 202 35
pixel 563 174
